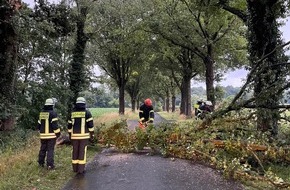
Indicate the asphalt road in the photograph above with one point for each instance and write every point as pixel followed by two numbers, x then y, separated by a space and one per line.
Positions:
pixel 111 170
pixel 115 171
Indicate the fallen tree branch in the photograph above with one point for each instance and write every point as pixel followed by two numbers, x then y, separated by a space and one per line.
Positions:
pixel 286 106
pixel 257 158
pixel 221 144
pixel 262 178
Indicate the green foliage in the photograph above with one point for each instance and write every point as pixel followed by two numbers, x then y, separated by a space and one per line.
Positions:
pixel 186 140
pixel 158 107
pixel 8 62
pixel 219 93
pixel 58 16
pixel 6 108
pixel 284 130
pixel 141 138
pixel 119 42
pixel 118 135
pixel 104 98
pixel 13 140
pixel 31 104
pixel 43 64
pixel 178 30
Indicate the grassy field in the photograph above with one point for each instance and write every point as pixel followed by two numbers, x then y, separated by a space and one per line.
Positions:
pixel 100 113
pixel 97 112
pixel 109 115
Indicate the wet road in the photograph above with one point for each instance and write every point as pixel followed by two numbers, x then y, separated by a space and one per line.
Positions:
pixel 111 170
pixel 115 171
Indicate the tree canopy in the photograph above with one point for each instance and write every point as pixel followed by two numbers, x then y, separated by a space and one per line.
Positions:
pixel 145 49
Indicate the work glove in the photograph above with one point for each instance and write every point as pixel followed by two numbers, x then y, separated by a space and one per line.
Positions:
pixel 57 135
pixel 92 137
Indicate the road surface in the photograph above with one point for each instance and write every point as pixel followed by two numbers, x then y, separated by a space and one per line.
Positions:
pixel 111 170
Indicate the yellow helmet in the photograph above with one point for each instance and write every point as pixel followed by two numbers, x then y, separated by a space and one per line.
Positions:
pixel 81 100
pixel 49 102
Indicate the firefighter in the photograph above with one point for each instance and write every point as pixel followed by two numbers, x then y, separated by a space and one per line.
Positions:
pixel 204 109
pixel 146 112
pixel 197 110
pixel 207 107
pixel 49 131
pixel 81 130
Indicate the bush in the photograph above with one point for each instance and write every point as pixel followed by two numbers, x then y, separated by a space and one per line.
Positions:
pixel 11 140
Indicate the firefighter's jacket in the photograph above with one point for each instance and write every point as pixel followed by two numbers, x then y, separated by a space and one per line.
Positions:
pixel 146 113
pixel 48 123
pixel 197 109
pixel 80 123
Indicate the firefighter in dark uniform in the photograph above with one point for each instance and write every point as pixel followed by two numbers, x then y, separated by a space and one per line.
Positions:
pixel 197 110
pixel 81 130
pixel 146 112
pixel 49 131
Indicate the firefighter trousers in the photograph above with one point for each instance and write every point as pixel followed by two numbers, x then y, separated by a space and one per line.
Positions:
pixel 79 154
pixel 47 150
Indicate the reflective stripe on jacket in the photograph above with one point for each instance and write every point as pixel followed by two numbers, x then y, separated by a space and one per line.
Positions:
pixel 80 124
pixel 47 124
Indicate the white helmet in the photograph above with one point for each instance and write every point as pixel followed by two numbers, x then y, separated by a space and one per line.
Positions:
pixel 208 103
pixel 81 100
pixel 49 102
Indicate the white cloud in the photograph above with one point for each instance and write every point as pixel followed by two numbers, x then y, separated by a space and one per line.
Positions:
pixel 286 30
pixel 234 78
pixel 29 2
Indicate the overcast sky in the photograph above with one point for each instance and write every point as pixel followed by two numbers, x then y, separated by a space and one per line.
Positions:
pixel 234 78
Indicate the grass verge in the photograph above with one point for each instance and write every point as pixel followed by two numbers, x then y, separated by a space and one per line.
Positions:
pixel 19 153
pixel 20 170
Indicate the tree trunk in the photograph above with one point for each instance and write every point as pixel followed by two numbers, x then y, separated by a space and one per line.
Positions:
pixel 132 88
pixel 209 74
pixel 76 73
pixel 188 99
pixel 133 103
pixel 173 100
pixel 186 96
pixel 167 103
pixel 122 99
pixel 138 103
pixel 8 64
pixel 263 37
pixel 183 99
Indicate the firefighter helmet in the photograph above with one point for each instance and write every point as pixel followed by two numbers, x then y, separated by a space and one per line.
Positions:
pixel 148 102
pixel 81 100
pixel 208 103
pixel 49 102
